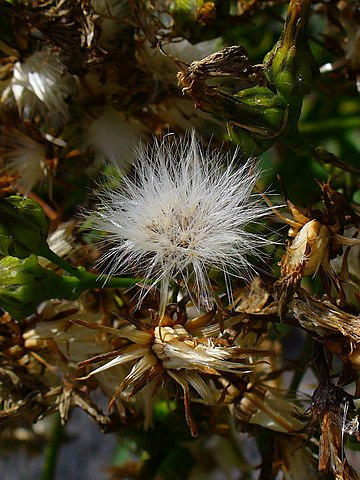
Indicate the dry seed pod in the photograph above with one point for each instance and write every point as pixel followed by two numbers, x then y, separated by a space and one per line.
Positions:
pixel 304 256
pixel 317 239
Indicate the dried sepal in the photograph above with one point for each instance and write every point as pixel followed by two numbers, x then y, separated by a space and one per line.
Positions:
pixel 324 318
pixel 295 458
pixel 269 407
pixel 204 77
pixel 331 407
pixel 304 256
pixel 317 238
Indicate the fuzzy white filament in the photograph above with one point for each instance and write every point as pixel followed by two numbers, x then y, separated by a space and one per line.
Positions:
pixel 40 85
pixel 23 156
pixel 183 213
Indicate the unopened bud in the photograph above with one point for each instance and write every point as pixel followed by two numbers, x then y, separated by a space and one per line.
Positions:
pixel 24 284
pixel 290 65
pixel 261 111
pixel 251 144
pixel 256 115
pixel 261 119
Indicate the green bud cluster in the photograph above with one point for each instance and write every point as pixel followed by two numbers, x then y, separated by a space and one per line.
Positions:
pixel 264 102
pixel 23 226
pixel 290 65
pixel 261 118
pixel 290 70
pixel 24 284
pixel 265 111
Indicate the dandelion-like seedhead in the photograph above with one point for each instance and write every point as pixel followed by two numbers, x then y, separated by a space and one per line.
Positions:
pixel 183 213
pixel 22 156
pixel 40 85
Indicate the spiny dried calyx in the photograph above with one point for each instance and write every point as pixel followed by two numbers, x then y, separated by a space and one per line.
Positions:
pixel 190 353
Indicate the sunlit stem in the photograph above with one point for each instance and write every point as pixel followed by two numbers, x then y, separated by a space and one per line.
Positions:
pixel 81 279
pixel 46 252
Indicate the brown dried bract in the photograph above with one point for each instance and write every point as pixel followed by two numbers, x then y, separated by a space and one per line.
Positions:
pixel 7 183
pixel 317 238
pixel 227 67
pixel 331 407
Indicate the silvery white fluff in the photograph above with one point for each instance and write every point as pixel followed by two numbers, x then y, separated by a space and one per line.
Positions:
pixel 23 156
pixel 112 132
pixel 40 85
pixel 183 213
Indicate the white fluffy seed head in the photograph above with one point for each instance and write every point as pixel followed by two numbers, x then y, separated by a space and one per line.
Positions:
pixel 40 85
pixel 184 212
pixel 22 156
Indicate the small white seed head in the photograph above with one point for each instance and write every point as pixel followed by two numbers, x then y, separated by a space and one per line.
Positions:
pixel 184 212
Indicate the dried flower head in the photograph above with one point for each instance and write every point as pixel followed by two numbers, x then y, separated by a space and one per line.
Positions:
pixel 317 238
pixel 184 212
pixel 192 354
pixel 269 407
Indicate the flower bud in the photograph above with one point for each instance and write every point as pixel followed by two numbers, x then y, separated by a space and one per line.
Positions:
pixel 261 111
pixel 226 83
pixel 23 226
pixel 261 119
pixel 290 65
pixel 251 144
pixel 24 284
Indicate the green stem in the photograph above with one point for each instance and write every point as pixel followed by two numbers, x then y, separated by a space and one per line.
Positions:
pixel 301 147
pixel 80 279
pixel 85 280
pixel 330 125
pixel 46 252
pixel 52 450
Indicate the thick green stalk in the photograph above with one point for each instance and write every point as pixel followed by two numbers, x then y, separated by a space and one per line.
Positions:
pixel 24 283
pixel 82 279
